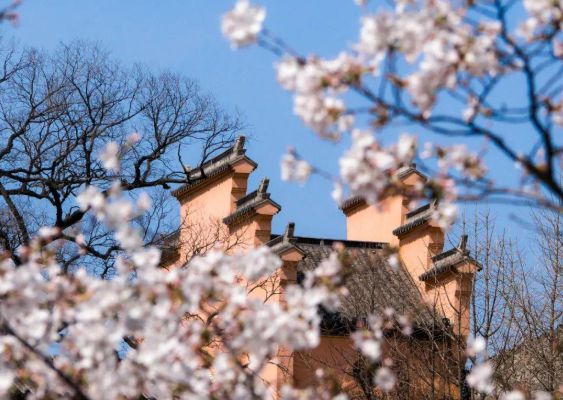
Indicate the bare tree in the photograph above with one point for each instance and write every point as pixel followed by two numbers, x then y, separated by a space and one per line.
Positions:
pixel 58 112
pixel 425 350
pixel 534 358
pixel 196 236
pixel 517 304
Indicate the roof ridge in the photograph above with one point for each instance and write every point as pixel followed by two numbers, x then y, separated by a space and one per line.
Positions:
pixel 328 241
pixel 214 167
pixel 400 173
pixel 246 198
pixel 445 254
pixel 248 203
pixel 237 147
pixel 416 218
pixel 418 210
pixel 447 261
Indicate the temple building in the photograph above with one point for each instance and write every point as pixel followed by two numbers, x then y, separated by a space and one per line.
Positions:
pixel 431 288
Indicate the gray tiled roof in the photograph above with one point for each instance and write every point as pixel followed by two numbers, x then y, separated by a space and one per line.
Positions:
pixel 447 261
pixel 401 173
pixel 168 245
pixel 216 166
pixel 350 202
pixel 373 285
pixel 415 218
pixel 406 171
pixel 247 204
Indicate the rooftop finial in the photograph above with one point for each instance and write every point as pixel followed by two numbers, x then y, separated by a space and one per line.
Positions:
pixel 289 229
pixel 239 144
pixel 462 243
pixel 263 188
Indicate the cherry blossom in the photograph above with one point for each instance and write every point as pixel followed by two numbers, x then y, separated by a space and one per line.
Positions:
pixel 513 395
pixel 481 375
pixel 385 379
pixel 316 83
pixel 151 311
pixel 445 214
pixel 369 347
pixel 444 49
pixel 110 157
pixel 293 168
pixel 541 13
pixel 393 261
pixel 541 395
pixel 367 166
pixel 243 24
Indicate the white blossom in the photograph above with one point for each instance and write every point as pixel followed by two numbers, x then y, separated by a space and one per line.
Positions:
pixel 133 138
pixel 110 157
pixel 371 349
pixel 385 379
pixel 367 166
pixel 144 202
pixel 90 197
pixel 322 114
pixel 337 193
pixel 374 35
pixel 445 215
pixel 476 346
pixel 243 23
pixel 541 13
pixel 149 257
pixel 541 395
pixel 513 395
pixel 294 169
pixel 480 377
pixel 6 379
pixel 47 232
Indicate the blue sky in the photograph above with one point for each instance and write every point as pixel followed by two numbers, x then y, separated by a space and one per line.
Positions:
pixel 184 36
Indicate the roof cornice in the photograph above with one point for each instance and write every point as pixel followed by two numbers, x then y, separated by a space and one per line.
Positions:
pixel 248 205
pixel 351 202
pixel 215 168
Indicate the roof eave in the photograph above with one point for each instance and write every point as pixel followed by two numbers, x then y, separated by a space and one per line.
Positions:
pixel 248 211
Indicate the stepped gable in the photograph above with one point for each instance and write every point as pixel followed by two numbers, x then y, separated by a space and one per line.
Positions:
pixel 373 281
pixel 282 243
pixel 351 202
pixel 169 246
pixel 401 173
pixel 410 169
pixel 217 166
pixel 415 218
pixel 448 260
pixel 247 205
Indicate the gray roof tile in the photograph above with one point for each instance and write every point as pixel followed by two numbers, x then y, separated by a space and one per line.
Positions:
pixel 214 167
pixel 415 218
pixel 373 285
pixel 247 205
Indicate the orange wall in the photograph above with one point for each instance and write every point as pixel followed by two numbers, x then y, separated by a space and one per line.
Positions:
pixel 451 296
pixel 216 199
pixel 420 369
pixel 212 200
pixel 415 250
pixel 375 223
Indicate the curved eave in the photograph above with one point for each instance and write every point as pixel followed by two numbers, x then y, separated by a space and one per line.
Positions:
pixel 351 203
pixel 409 226
pixel 214 173
pixel 248 211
